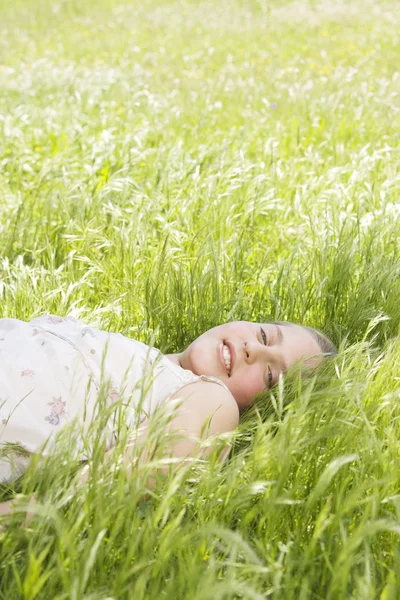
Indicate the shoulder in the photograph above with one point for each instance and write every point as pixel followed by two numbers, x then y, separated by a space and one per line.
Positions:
pixel 209 404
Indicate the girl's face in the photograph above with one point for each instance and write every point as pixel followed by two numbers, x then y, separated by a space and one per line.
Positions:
pixel 250 357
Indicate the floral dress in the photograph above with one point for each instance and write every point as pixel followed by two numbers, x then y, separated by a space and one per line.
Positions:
pixel 53 371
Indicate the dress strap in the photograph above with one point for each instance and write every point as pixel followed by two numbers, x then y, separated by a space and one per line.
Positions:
pixel 213 380
pixel 172 378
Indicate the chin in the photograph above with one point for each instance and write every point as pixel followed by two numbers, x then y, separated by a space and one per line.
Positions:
pixel 196 365
pixel 199 365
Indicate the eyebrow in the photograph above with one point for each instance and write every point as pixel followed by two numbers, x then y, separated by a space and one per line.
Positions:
pixel 279 333
pixel 280 340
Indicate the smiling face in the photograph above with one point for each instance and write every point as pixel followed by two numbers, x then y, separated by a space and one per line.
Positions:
pixel 250 357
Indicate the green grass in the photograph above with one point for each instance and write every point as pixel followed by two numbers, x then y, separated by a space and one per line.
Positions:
pixel 167 166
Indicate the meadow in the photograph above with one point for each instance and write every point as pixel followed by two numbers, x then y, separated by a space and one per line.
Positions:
pixel 166 166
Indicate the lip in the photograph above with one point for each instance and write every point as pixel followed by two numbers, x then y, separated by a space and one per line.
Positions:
pixel 231 349
pixel 221 357
pixel 233 354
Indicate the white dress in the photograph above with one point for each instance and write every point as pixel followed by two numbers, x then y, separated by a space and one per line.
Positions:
pixel 51 371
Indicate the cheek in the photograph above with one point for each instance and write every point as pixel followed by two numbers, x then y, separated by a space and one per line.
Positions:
pixel 246 388
pixel 203 357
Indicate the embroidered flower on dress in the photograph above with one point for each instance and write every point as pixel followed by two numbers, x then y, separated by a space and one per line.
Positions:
pixel 88 330
pixel 27 373
pixel 54 320
pixel 147 362
pixel 113 394
pixel 53 419
pixel 4 421
pixel 57 410
pixel 35 331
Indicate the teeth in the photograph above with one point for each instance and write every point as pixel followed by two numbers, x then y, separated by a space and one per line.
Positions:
pixel 227 359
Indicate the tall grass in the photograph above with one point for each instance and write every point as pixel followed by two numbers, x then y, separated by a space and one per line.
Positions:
pixel 167 166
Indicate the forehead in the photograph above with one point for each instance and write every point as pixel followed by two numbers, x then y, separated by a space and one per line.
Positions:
pixel 295 343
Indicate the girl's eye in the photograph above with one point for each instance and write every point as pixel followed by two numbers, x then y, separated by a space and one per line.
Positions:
pixel 264 337
pixel 270 377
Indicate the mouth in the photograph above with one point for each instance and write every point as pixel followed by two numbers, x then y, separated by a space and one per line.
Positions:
pixel 227 356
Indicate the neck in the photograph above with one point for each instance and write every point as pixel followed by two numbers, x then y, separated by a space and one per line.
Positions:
pixel 175 358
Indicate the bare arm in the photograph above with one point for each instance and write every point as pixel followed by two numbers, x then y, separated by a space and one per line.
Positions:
pixel 6 507
pixel 205 411
pixel 198 412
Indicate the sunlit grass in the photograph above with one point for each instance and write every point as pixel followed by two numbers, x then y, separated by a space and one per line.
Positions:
pixel 164 167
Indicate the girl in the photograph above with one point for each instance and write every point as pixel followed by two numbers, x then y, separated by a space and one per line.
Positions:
pixel 53 369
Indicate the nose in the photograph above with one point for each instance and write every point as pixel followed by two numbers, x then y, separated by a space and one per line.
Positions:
pixel 254 351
